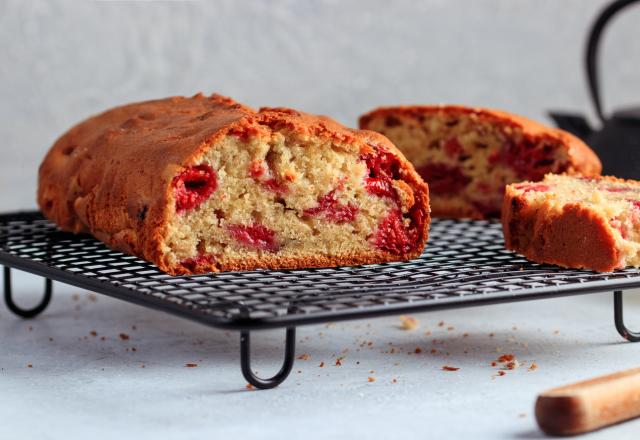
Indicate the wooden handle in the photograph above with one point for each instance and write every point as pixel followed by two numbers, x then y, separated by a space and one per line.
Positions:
pixel 591 404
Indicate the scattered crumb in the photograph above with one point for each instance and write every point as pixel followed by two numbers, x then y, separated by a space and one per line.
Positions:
pixel 304 357
pixel 514 328
pixel 533 366
pixel 512 365
pixel 441 324
pixel 93 333
pixel 339 361
pixel 103 338
pixel 501 373
pixel 434 351
pixel 408 322
pixel 75 297
pixel 371 379
pixel 50 339
pixel 321 365
pixel 498 349
pixel 522 415
pixel 29 365
pixel 249 386
pixel 124 336
pixel 141 365
pixel 506 358
pixel 418 350
pixel 465 335
pixel 92 297
pixel 133 327
pixel 451 328
pixel 134 349
pixel 494 363
pixel 30 328
pixel 394 380
pixel 449 368
pixel 491 335
pixel 190 365
pixel 427 333
pixel 556 332
pixel 299 371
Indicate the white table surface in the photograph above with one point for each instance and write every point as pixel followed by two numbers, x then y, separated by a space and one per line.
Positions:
pixel 80 386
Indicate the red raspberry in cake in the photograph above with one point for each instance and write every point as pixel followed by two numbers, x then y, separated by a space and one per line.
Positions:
pixel 193 186
pixel 392 235
pixel 456 148
pixel 198 263
pixel 444 179
pixel 526 187
pixel 380 187
pixel 255 236
pixel 332 209
pixel 453 148
pixel 574 222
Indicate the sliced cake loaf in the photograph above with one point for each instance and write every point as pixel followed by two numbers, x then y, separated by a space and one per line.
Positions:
pixel 468 155
pixel 576 222
pixel 206 184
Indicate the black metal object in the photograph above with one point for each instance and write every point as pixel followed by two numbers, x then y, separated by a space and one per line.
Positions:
pixel 464 264
pixel 280 376
pixel 618 313
pixel 25 313
pixel 617 140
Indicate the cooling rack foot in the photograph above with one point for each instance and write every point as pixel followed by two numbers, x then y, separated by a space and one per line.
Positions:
pixel 30 313
pixel 245 361
pixel 618 315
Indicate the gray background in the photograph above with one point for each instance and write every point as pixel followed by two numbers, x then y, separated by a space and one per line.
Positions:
pixel 62 61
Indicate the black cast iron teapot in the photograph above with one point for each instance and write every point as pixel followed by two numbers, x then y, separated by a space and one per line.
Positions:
pixel 618 141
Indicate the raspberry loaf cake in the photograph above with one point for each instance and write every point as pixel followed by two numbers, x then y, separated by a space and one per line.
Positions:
pixel 575 222
pixel 467 155
pixel 206 184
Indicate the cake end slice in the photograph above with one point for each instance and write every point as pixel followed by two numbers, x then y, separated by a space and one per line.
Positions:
pixel 574 222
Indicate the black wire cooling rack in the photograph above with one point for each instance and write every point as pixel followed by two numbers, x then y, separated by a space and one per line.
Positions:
pixel 464 264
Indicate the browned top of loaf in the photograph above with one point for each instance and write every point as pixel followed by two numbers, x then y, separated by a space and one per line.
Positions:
pixel 582 158
pixel 111 174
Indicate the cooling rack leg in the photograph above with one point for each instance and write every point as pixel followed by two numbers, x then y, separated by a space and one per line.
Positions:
pixel 30 313
pixel 618 315
pixel 245 361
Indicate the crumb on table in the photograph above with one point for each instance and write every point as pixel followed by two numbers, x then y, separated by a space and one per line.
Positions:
pixel 409 322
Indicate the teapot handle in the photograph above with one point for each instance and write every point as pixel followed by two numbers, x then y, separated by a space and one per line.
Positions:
pixel 592 50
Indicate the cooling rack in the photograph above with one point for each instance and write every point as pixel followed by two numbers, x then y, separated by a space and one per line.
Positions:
pixel 464 264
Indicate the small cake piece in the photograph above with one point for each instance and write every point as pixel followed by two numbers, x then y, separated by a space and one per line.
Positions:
pixel 206 184
pixel 468 155
pixel 574 222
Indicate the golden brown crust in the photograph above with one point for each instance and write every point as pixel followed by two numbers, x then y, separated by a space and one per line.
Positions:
pixel 111 174
pixel 582 159
pixel 574 237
